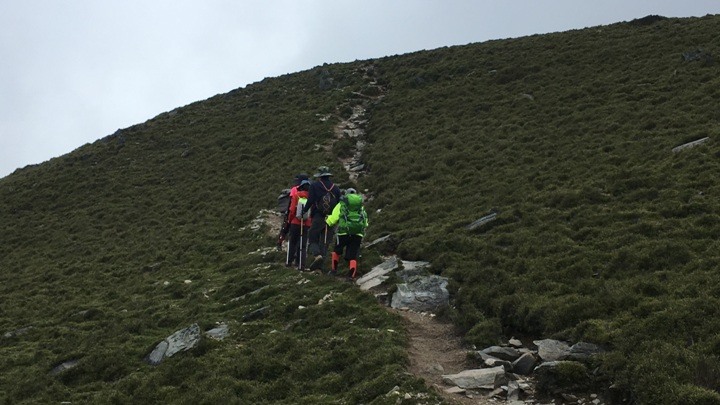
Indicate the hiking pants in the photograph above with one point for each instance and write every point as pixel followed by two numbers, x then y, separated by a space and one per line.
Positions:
pixel 319 236
pixel 297 252
pixel 351 245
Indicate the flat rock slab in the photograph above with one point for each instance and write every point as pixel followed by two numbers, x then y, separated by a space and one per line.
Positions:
pixel 218 333
pixel 64 366
pixel 690 144
pixel 378 274
pixel 484 378
pixel 184 339
pixel 482 221
pixel 503 353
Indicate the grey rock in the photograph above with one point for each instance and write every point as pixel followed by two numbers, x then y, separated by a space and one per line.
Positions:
pixel 582 351
pixel 503 353
pixel 218 333
pixel 497 362
pixel 422 294
pixel 256 314
pixel 251 293
pixel 455 390
pixel 158 354
pixel 513 391
pixel 292 324
pixel 378 274
pixel 482 221
pixel 17 332
pixel 484 378
pixel 524 364
pixel 182 340
pixel 516 343
pixel 413 269
pixel 378 241
pixel 690 144
pixel 67 365
pixel 552 350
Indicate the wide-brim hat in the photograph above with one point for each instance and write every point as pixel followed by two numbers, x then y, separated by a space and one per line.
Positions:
pixel 323 171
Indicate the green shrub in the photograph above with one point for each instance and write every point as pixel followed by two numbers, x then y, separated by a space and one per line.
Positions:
pixel 566 376
pixel 485 333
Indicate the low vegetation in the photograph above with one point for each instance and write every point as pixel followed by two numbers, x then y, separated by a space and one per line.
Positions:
pixel 603 234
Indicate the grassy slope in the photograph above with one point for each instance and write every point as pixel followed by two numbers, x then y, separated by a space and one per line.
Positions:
pixel 89 240
pixel 581 173
pixel 603 233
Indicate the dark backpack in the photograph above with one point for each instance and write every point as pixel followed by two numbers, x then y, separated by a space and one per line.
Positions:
pixel 283 204
pixel 352 215
pixel 328 201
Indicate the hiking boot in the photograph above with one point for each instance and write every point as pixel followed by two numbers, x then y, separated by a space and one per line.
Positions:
pixel 316 263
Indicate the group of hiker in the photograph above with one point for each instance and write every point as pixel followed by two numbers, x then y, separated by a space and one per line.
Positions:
pixel 317 213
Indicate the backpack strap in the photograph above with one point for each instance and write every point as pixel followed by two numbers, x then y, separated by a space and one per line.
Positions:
pixel 327 189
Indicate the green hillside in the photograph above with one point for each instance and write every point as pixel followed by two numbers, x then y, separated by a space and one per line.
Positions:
pixel 604 234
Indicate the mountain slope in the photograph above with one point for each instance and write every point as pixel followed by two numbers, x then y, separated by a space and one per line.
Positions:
pixel 603 233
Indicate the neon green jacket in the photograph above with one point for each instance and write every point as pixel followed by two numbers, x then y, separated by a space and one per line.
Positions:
pixel 336 216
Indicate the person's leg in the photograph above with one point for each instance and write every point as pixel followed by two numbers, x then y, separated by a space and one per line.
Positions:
pixel 352 252
pixel 340 242
pixel 293 244
pixel 314 234
pixel 316 246
pixel 302 258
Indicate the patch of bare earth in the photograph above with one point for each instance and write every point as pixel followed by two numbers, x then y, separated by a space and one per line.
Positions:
pixel 435 350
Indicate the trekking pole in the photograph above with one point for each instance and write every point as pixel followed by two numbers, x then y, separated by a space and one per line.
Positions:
pixel 288 257
pixel 301 249
pixel 325 246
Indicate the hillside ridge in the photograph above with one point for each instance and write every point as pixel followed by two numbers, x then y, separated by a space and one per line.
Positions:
pixel 602 233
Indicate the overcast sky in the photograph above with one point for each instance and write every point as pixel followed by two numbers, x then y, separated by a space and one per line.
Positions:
pixel 74 71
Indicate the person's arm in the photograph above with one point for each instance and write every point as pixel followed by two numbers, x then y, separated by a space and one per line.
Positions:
pixel 333 218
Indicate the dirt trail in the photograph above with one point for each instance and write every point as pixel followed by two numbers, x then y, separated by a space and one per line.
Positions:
pixel 436 350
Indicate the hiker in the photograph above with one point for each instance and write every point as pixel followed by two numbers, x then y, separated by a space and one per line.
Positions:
pixel 352 220
pixel 322 198
pixel 284 207
pixel 299 225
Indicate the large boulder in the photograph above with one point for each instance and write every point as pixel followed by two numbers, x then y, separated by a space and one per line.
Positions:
pixel 422 294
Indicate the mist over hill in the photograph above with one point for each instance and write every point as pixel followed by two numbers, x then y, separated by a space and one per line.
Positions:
pixel 603 232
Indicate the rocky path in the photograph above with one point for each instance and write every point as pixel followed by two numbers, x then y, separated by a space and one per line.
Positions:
pixel 434 347
pixel 436 350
